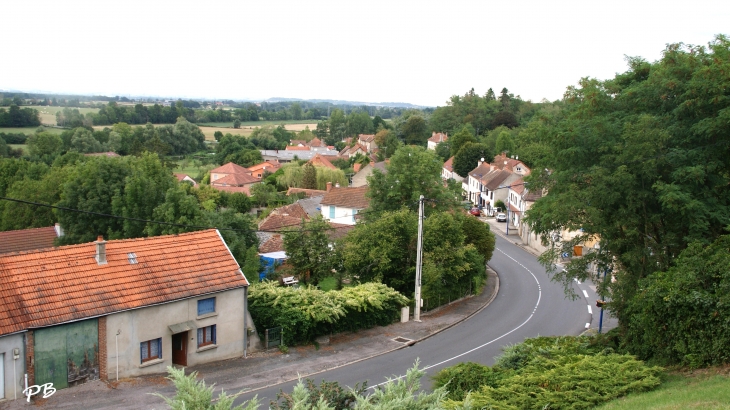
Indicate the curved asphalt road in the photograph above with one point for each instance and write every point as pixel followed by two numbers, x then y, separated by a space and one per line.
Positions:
pixel 528 305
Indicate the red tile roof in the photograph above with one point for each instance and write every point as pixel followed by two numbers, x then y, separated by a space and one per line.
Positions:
pixel 271 166
pixel 449 164
pixel 480 171
pixel 52 286
pixel 230 168
pixel 27 239
pixel 316 142
pixel 274 244
pixel 320 161
pixel 518 186
pixel 438 137
pixel 347 197
pixel 235 180
pixel 289 215
pixel 338 231
pixel 366 137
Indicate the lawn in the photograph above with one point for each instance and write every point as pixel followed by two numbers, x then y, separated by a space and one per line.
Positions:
pixel 192 168
pixel 48 113
pixel 29 130
pixel 703 389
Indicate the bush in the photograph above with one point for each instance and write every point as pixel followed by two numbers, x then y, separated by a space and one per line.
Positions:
pixel 306 312
pixel 465 378
pixel 14 138
pixel 555 373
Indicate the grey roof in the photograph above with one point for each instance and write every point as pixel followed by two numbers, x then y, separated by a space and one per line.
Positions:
pixel 283 155
pixel 311 205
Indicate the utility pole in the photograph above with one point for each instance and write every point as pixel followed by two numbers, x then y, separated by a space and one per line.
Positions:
pixel 419 262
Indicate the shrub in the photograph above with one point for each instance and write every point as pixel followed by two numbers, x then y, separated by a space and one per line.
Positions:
pixel 466 377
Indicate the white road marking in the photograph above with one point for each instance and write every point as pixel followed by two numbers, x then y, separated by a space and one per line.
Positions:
pixel 585 293
pixel 539 296
pixel 590 311
pixel 576 280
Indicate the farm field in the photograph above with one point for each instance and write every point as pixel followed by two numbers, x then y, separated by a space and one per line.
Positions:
pixel 29 130
pixel 48 113
pixel 247 128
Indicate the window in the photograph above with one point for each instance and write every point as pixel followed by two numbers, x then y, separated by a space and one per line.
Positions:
pixel 354 212
pixel 206 306
pixel 132 258
pixel 206 336
pixel 150 350
pixel 332 212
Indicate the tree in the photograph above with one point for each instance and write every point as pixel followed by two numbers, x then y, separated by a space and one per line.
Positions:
pixel 144 190
pixel 443 150
pixel 459 139
pixel 180 212
pixel 477 233
pixel 654 137
pixel 14 215
pixel 252 265
pixel 413 131
pixel 469 157
pixel 218 135
pixel 308 251
pixel 92 186
pixel 309 176
pixel 505 118
pixel 45 145
pixel 412 172
pixel 83 141
pixel 192 393
pixel 236 123
pixel 504 142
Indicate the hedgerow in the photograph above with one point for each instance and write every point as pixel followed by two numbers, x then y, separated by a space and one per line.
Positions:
pixel 307 312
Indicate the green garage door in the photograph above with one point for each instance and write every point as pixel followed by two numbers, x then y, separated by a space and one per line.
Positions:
pixel 67 355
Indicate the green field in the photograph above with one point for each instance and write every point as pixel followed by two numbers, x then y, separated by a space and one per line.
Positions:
pixel 48 113
pixel 705 389
pixel 312 123
pixel 29 130
pixel 21 146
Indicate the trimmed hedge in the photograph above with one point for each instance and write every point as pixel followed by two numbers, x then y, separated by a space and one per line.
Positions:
pixel 307 312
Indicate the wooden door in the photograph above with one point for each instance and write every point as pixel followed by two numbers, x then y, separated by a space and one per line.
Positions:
pixel 180 349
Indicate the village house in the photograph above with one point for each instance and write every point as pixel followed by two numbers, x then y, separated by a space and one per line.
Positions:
pixel 259 170
pixel 342 204
pixel 29 239
pixel 121 308
pixel 361 176
pixel 436 139
pixel 186 178
pixel 367 141
pixel 447 171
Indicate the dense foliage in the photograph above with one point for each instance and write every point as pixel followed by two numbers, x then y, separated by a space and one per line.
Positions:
pixel 640 162
pixel 15 116
pixel 683 315
pixel 547 372
pixel 305 313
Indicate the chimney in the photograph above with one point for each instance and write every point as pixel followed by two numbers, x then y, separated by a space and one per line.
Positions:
pixel 100 250
pixel 329 186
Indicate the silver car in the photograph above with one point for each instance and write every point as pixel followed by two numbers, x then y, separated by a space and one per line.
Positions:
pixel 501 217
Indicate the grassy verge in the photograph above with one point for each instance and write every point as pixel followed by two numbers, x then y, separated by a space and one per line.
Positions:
pixel 706 389
pixel 21 146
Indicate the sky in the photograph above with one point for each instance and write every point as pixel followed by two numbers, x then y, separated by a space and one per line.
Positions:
pixel 419 52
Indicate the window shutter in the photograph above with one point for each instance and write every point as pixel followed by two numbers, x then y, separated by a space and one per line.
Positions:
pixel 206 306
pixel 159 347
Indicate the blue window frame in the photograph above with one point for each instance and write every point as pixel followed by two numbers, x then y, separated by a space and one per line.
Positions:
pixel 206 306
pixel 354 212
pixel 206 336
pixel 332 212
pixel 150 350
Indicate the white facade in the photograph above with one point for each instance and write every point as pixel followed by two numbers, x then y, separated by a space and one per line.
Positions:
pixel 126 331
pixel 339 214
pixel 12 370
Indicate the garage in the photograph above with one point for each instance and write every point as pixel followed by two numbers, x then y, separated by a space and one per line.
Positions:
pixel 67 355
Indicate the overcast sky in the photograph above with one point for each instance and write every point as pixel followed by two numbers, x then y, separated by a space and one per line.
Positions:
pixel 420 52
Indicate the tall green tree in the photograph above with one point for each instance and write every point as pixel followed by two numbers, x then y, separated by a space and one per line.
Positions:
pixel 412 172
pixel 458 140
pixel 180 210
pixel 469 157
pixel 640 162
pixel 309 176
pixel 307 249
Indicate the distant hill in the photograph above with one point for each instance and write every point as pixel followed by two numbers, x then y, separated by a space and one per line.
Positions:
pixel 353 103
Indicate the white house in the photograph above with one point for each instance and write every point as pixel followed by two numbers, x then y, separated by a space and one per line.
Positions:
pixel 436 139
pixel 342 204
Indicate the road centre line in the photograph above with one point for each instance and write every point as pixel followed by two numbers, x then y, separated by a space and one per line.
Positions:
pixel 585 293
pixel 539 297
pixel 590 311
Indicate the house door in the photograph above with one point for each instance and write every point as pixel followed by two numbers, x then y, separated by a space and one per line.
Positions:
pixel 180 349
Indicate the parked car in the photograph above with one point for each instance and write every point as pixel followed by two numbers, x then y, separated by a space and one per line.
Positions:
pixel 475 211
pixel 501 217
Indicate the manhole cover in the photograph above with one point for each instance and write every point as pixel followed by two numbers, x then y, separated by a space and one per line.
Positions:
pixel 401 340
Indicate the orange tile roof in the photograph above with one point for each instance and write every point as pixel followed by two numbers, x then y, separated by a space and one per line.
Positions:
pixel 449 164
pixel 339 231
pixel 27 239
pixel 289 215
pixel 366 137
pixel 270 166
pixel 316 142
pixel 518 186
pixel 347 197
pixel 53 286
pixel 274 244
pixel 438 137
pixel 235 180
pixel 320 161
pixel 230 168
